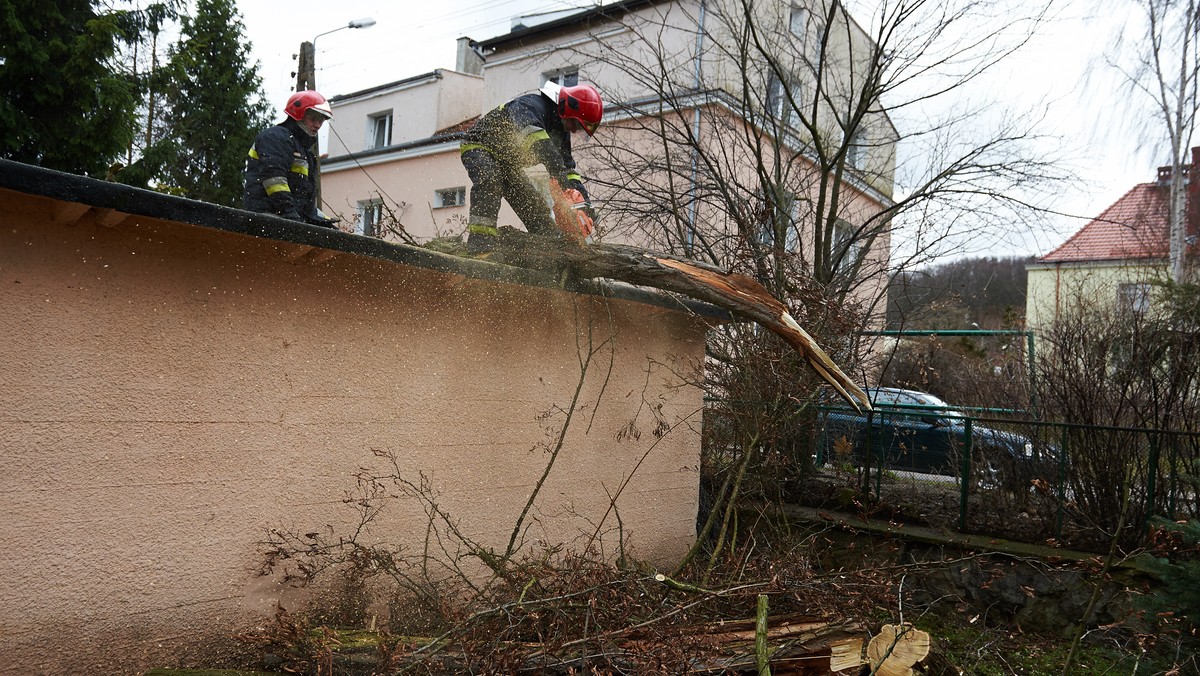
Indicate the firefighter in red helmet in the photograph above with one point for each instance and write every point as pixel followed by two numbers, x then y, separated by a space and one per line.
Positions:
pixel 281 171
pixel 529 130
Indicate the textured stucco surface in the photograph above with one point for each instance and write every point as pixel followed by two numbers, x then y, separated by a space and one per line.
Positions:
pixel 171 392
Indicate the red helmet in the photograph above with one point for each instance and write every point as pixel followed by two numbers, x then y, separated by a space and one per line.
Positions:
pixel 301 102
pixel 581 102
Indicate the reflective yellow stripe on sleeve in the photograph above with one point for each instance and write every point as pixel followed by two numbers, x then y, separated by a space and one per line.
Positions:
pixel 254 152
pixel 300 167
pixel 573 176
pixel 276 184
pixel 532 135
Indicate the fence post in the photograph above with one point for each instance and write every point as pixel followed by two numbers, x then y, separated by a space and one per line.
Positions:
pixel 1061 487
pixel 822 438
pixel 964 484
pixel 1032 368
pixel 1152 476
pixel 1173 491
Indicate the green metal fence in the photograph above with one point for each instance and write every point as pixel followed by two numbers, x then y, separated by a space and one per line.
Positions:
pixel 996 472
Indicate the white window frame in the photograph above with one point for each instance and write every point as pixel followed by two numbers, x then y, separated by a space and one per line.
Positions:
pixel 566 77
pixel 799 20
pixel 374 122
pixel 856 149
pixel 792 243
pixel 807 26
pixel 370 214
pixel 447 198
pixel 844 231
pixel 778 105
pixel 1133 297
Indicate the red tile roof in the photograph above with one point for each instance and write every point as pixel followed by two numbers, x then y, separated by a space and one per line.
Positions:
pixel 1134 227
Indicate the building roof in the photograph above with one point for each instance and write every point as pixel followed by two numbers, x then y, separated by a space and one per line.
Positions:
pixel 582 17
pixel 1133 228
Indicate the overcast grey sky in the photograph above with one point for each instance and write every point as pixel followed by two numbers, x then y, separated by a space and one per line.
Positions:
pixel 414 36
pixel 410 37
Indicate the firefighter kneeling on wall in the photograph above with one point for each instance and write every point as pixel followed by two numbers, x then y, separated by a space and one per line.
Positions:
pixel 281 172
pixel 529 130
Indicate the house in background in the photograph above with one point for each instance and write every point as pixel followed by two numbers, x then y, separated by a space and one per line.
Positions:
pixel 417 176
pixel 1116 258
pixel 393 150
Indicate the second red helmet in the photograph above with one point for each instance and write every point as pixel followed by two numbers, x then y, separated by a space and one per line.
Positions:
pixel 581 102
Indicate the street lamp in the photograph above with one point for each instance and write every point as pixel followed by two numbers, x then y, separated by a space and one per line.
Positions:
pixel 306 73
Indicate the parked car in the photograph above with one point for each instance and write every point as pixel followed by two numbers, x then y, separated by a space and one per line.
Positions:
pixel 918 432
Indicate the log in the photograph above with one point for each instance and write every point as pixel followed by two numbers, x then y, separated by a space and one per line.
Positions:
pixel 894 651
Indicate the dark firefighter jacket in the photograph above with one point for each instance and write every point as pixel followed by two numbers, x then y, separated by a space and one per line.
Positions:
pixel 527 131
pixel 280 174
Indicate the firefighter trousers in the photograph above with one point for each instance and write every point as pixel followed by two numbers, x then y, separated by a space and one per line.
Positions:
pixel 492 180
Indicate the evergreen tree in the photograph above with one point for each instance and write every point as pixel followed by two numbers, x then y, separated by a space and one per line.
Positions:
pixel 143 61
pixel 215 109
pixel 63 105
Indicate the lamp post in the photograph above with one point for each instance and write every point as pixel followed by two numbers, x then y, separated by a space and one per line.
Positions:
pixel 306 78
pixel 306 72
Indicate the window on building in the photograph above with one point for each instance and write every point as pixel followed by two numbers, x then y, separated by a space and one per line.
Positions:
pixel 779 106
pixel 379 130
pixel 856 149
pixel 798 21
pixel 793 233
pixel 847 244
pixel 807 27
pixel 450 197
pixel 370 218
pixel 766 227
pixel 567 77
pixel 1133 297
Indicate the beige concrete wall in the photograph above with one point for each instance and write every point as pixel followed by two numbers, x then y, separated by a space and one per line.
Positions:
pixel 458 98
pixel 171 392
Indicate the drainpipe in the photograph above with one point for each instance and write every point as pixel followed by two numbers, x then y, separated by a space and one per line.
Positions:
pixel 1057 290
pixel 690 235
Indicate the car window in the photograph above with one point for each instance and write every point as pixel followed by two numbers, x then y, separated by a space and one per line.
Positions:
pixel 885 397
pixel 893 404
pixel 890 406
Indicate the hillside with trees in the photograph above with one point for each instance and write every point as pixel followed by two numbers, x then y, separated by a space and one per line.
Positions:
pixel 985 293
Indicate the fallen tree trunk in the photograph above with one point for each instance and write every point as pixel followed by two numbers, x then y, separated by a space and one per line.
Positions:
pixel 742 296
